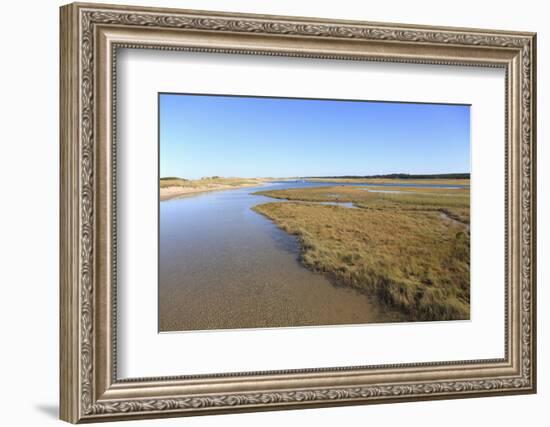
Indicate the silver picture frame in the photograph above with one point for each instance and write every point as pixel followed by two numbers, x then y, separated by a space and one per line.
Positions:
pixel 90 37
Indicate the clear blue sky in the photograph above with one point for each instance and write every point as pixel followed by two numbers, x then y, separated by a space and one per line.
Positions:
pixel 204 135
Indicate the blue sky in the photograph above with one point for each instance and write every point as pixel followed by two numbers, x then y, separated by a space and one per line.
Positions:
pixel 202 135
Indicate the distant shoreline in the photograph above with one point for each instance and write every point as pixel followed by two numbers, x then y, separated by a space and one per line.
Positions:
pixel 172 188
pixel 404 176
pixel 435 181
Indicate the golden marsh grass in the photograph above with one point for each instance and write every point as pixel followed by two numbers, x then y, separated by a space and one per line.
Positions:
pixel 411 249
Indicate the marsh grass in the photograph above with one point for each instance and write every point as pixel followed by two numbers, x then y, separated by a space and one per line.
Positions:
pixel 453 202
pixel 398 247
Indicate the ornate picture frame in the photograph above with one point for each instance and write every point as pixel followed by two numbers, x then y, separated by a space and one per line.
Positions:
pixel 90 37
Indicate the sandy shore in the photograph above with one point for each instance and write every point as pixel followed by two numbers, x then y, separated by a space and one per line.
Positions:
pixel 168 193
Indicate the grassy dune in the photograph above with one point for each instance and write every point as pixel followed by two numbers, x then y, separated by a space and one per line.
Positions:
pixel 411 250
pixel 171 187
pixel 195 183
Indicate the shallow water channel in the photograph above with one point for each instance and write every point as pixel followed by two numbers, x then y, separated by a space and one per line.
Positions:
pixel 224 266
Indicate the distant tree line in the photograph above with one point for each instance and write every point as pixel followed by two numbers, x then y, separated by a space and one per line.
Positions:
pixel 402 176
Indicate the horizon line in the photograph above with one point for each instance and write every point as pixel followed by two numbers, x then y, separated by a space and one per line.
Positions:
pixel 386 175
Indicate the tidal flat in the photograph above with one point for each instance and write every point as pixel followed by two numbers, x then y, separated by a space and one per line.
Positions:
pixel 294 252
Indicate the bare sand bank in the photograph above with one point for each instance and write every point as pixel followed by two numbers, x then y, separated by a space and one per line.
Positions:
pixel 167 193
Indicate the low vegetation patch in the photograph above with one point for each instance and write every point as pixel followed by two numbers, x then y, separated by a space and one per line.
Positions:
pixel 411 250
pixel 452 202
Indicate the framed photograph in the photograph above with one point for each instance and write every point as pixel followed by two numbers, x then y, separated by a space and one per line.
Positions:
pixel 266 212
